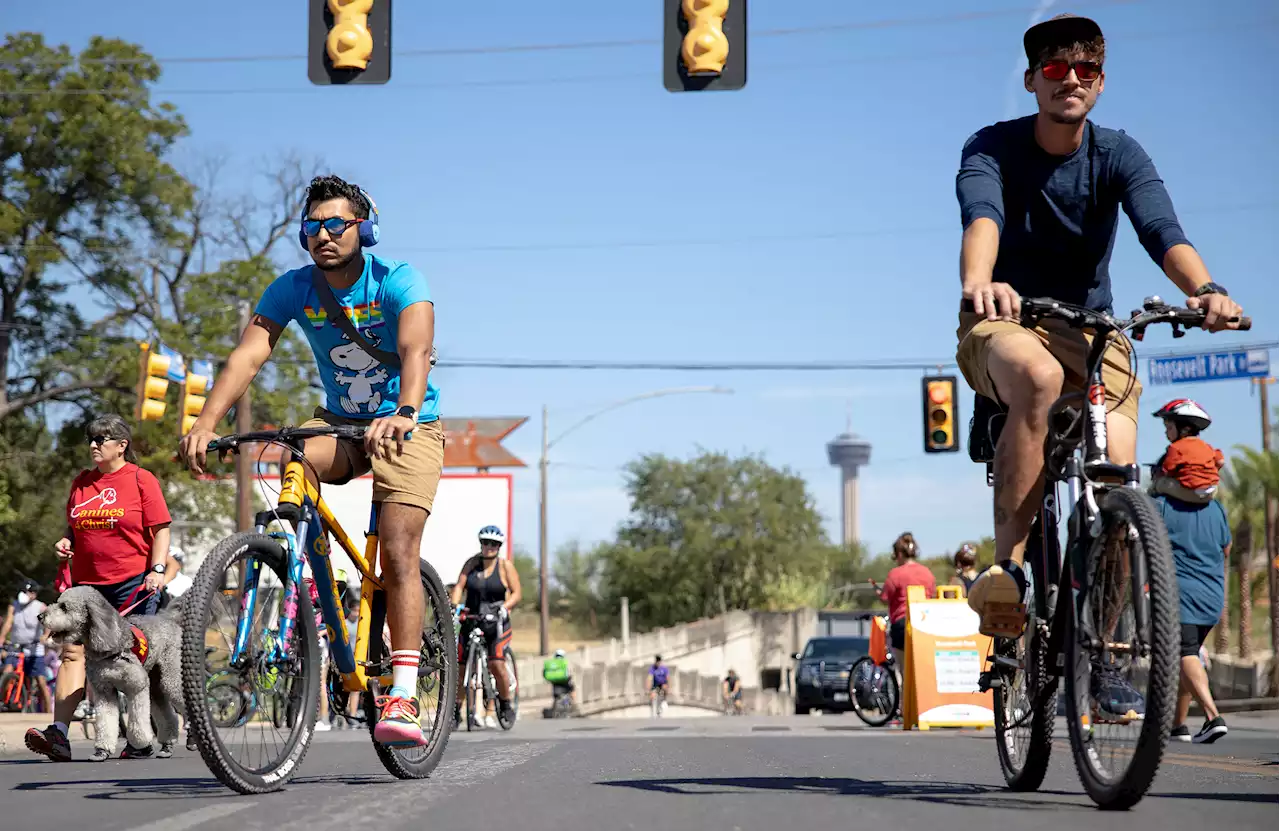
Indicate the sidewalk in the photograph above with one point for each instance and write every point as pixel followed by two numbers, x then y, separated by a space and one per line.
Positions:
pixel 14 725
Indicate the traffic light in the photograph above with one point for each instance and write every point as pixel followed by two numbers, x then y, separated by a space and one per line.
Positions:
pixel 193 389
pixel 940 417
pixel 153 382
pixel 704 45
pixel 349 41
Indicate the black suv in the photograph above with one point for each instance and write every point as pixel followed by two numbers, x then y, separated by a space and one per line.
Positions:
pixel 822 675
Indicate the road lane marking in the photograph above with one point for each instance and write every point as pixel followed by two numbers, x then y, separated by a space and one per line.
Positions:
pixel 191 819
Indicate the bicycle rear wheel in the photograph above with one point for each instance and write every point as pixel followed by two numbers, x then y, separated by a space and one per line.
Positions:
pixel 1130 605
pixel 277 674
pixel 437 687
pixel 873 692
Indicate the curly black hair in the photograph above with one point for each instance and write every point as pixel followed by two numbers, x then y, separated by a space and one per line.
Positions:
pixel 332 187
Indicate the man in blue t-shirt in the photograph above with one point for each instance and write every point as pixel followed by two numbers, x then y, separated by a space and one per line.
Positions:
pixel 389 305
pixel 1201 541
pixel 1039 201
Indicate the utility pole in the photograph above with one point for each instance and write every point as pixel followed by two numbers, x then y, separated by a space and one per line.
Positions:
pixel 1270 522
pixel 544 609
pixel 244 461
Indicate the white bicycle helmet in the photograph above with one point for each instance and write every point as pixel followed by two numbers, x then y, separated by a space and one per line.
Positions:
pixel 1184 411
pixel 492 533
pixel 559 653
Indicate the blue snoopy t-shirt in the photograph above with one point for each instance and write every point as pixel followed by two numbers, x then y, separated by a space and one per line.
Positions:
pixel 355 385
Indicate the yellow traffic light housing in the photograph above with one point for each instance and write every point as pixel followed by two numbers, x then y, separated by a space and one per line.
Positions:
pixel 152 384
pixel 940 418
pixel 349 41
pixel 193 389
pixel 705 45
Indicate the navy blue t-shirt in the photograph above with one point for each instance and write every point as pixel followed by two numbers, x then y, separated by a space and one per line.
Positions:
pixel 1198 533
pixel 1058 214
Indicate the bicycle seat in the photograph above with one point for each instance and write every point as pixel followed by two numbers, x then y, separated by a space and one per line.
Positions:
pixel 984 428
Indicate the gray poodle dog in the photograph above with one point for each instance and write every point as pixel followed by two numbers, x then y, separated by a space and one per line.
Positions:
pixel 152 687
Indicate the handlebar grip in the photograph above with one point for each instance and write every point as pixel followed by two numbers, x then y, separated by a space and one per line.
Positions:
pixel 1246 323
pixel 218 445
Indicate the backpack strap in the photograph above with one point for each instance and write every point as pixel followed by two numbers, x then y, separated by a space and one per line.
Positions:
pixel 339 318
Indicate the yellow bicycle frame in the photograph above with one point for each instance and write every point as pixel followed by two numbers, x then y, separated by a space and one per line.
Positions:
pixel 293 490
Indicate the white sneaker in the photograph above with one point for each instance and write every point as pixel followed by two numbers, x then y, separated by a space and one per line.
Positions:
pixel 323 727
pixel 491 722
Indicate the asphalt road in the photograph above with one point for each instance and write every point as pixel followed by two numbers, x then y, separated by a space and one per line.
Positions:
pixel 719 773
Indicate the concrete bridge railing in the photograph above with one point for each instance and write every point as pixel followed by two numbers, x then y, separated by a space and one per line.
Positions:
pixel 612 676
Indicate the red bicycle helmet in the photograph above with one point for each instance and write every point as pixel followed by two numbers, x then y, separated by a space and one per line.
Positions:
pixel 1186 411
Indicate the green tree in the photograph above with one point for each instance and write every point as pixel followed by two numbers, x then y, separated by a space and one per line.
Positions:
pixel 527 569
pixel 711 534
pixel 1247 483
pixel 575 592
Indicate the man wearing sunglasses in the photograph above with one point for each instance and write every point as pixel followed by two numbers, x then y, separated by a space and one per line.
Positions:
pixel 1039 200
pixel 388 304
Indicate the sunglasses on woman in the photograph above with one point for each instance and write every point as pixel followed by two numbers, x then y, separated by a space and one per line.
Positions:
pixel 1057 69
pixel 335 225
pixel 101 440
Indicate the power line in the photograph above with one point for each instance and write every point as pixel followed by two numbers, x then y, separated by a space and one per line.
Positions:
pixel 752 239
pixel 962 17
pixel 808 67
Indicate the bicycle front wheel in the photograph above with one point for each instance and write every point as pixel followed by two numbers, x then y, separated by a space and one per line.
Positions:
pixel 873 691
pixel 277 673
pixel 437 687
pixel 1122 653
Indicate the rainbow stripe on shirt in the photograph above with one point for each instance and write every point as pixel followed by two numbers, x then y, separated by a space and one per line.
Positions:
pixel 364 316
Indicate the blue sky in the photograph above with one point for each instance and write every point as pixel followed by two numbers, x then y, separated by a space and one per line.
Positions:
pixel 564 205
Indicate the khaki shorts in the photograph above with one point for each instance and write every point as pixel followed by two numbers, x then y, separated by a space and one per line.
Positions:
pixel 1069 346
pixel 408 479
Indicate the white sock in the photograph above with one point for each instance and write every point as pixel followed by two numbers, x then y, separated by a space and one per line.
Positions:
pixel 404 672
pixel 62 728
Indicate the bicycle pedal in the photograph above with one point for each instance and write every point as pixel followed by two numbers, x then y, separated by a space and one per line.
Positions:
pixel 989 681
pixel 1003 620
pixel 1004 662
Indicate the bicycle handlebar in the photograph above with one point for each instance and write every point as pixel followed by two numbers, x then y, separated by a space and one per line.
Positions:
pixel 1154 310
pixel 339 431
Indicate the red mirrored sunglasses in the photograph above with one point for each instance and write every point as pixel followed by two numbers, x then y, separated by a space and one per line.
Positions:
pixel 1057 69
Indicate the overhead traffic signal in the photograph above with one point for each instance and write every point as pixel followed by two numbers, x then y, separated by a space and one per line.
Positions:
pixel 153 382
pixel 940 414
pixel 349 41
pixel 704 45
pixel 193 390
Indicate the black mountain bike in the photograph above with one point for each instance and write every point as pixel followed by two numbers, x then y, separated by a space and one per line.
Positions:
pixel 1121 633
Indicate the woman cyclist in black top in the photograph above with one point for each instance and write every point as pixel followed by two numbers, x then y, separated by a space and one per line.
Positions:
pixel 490 585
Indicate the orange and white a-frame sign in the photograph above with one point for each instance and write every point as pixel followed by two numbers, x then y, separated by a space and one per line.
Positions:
pixel 944 655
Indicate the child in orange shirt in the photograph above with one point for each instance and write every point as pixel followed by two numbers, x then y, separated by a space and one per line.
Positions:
pixel 1188 470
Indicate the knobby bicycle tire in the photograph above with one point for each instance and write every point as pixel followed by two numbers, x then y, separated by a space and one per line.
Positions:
pixel 890 679
pixel 1152 545
pixel 443 652
pixel 196 614
pixel 1043 699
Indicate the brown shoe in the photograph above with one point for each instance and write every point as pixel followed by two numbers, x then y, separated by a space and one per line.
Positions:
pixel 49 742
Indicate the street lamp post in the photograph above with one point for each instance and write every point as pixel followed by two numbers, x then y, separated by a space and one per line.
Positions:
pixel 544 605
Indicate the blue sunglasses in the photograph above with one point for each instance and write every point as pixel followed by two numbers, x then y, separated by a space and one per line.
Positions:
pixel 335 225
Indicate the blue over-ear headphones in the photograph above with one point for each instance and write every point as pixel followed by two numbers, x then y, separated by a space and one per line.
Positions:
pixel 368 228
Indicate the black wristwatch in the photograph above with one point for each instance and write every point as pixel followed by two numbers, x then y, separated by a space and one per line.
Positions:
pixel 158 568
pixel 408 412
pixel 1211 288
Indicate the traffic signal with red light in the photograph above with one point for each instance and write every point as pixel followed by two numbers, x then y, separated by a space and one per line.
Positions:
pixel 940 416
pixel 349 41
pixel 704 45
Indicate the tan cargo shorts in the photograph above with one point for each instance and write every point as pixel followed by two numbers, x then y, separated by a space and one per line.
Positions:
pixel 410 478
pixel 1069 346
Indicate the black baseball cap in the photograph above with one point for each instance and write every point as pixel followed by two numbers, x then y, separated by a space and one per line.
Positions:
pixel 1061 30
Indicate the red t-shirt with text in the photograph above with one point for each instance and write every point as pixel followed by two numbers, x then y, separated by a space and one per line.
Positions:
pixel 110 515
pixel 910 573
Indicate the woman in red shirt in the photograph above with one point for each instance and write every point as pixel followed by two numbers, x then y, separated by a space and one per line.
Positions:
pixel 908 572
pixel 118 542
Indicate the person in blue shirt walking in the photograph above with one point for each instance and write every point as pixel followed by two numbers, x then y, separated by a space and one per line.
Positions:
pixel 1201 541
pixel 388 303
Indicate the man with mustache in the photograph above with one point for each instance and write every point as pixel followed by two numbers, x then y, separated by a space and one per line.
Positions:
pixel 1039 202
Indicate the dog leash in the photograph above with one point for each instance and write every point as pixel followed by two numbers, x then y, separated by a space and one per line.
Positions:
pixel 145 597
